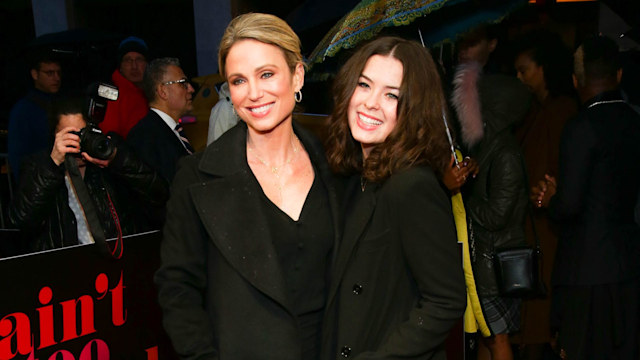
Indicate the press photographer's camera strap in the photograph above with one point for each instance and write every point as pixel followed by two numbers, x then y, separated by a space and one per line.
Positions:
pixel 90 213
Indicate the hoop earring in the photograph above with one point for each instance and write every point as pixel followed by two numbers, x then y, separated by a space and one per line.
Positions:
pixel 298 96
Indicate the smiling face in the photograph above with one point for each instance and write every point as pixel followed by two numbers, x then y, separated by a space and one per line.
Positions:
pixel 261 84
pixel 373 107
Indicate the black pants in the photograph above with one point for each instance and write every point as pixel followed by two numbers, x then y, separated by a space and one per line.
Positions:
pixel 597 322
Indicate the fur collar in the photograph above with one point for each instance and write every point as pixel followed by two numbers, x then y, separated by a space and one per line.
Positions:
pixel 466 102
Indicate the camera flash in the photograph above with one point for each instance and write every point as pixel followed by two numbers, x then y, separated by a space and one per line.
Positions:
pixel 108 92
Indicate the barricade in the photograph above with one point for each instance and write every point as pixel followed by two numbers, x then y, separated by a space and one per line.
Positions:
pixel 75 304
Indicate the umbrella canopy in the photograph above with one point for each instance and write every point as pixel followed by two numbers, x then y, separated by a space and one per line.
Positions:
pixel 369 17
pixel 366 19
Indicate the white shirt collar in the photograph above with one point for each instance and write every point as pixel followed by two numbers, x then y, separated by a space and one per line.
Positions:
pixel 171 123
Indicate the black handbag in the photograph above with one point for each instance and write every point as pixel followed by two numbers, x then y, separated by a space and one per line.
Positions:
pixel 518 272
pixel 519 269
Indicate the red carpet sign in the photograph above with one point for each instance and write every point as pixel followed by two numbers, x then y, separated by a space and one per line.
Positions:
pixel 74 303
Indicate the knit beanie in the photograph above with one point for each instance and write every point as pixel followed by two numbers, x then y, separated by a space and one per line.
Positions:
pixel 132 43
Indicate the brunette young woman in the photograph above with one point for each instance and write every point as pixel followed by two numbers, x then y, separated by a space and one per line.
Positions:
pixel 397 287
pixel 252 220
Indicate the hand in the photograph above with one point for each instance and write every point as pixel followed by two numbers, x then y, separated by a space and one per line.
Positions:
pixel 472 165
pixel 99 162
pixel 542 193
pixel 455 176
pixel 65 143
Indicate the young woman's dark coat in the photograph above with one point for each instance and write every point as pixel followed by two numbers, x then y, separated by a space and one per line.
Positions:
pixel 398 286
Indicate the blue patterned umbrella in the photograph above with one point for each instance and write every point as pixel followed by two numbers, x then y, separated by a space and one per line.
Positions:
pixel 369 17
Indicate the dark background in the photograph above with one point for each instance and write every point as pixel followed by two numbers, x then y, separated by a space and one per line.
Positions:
pixel 168 28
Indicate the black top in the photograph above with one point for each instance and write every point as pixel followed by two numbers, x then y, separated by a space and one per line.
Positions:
pixel 304 250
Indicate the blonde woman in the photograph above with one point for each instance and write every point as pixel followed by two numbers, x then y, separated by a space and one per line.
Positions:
pixel 252 220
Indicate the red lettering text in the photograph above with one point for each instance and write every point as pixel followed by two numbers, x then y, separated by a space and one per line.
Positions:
pixel 46 318
pixel 69 311
pixel 15 329
pixel 118 313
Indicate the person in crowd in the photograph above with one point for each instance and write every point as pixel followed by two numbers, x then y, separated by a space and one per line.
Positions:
pixel 397 288
pixel 487 106
pixel 158 138
pixel 59 187
pixel 252 221
pixel 29 117
pixel 544 64
pixel 131 105
pixel 222 117
pixel 596 273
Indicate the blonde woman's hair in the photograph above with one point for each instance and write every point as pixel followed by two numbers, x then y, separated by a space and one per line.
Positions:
pixel 266 28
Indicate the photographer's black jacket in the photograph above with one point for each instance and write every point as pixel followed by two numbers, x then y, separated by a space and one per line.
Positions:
pixel 41 206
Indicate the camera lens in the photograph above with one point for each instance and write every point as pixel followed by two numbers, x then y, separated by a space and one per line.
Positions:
pixel 95 143
pixel 100 147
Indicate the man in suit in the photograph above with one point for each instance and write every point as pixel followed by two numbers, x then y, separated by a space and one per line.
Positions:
pixel 157 138
pixel 596 273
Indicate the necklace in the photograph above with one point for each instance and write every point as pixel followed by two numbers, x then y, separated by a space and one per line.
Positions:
pixel 363 183
pixel 275 170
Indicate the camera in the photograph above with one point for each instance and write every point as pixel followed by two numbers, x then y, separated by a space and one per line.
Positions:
pixel 92 140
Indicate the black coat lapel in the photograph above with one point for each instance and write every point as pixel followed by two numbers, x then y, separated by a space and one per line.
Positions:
pixel 167 133
pixel 354 227
pixel 245 241
pixel 230 209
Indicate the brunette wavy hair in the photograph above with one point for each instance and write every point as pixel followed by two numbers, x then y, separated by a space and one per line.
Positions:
pixel 419 137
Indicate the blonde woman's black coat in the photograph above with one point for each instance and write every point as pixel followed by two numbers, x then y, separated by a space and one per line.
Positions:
pixel 221 286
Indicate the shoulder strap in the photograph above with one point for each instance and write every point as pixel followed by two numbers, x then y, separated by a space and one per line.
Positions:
pixel 90 212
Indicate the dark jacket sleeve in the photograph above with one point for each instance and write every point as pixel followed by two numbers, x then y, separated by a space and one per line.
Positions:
pixel 505 184
pixel 428 237
pixel 41 180
pixel 144 181
pixel 182 277
pixel 576 153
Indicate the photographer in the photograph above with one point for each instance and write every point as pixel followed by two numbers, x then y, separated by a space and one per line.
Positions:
pixel 68 196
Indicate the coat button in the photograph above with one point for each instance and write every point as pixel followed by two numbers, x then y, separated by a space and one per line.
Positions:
pixel 357 289
pixel 346 351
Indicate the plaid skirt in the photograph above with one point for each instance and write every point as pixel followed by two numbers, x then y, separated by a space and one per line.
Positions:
pixel 502 314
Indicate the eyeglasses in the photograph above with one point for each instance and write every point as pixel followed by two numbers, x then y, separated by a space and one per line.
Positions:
pixel 183 82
